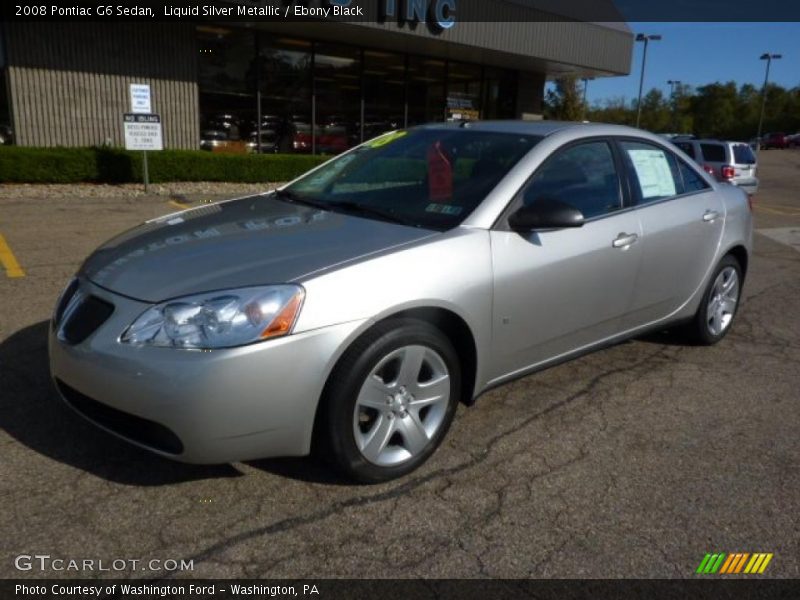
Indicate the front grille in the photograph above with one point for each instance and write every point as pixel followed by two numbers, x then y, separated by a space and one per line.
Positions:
pixel 143 431
pixel 63 301
pixel 83 320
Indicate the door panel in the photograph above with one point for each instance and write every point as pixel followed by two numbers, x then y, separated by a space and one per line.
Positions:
pixel 678 246
pixel 557 291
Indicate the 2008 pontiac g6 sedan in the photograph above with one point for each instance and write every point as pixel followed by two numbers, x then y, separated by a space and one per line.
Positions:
pixel 352 310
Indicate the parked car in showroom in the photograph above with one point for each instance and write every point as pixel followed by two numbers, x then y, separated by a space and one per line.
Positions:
pixel 212 139
pixel 729 162
pixel 6 134
pixel 268 145
pixel 350 311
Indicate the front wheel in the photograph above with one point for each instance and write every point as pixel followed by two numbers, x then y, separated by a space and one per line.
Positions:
pixel 719 305
pixel 391 400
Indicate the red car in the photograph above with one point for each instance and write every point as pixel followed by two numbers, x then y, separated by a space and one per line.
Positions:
pixel 774 140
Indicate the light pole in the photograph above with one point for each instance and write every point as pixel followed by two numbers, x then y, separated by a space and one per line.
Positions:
pixel 586 81
pixel 673 85
pixel 641 37
pixel 769 58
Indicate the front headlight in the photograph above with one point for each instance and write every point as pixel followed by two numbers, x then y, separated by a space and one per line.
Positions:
pixel 219 319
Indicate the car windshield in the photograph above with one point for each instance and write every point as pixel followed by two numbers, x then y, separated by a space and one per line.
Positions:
pixel 431 178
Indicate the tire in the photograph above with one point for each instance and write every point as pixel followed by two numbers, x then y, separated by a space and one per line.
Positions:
pixel 710 325
pixel 378 420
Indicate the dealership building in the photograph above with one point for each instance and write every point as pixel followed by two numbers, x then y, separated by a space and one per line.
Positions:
pixel 311 86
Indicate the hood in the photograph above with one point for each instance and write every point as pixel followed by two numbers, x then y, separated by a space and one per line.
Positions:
pixel 250 241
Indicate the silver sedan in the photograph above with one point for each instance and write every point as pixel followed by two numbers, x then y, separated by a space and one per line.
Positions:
pixel 352 310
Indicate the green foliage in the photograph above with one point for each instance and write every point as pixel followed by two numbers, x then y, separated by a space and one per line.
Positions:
pixel 656 112
pixel 47 165
pixel 108 165
pixel 718 110
pixel 565 102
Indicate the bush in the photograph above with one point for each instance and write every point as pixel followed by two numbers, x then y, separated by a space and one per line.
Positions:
pixel 110 165
pixel 47 165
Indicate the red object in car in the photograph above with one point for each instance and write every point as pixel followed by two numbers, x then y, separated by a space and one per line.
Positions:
pixel 440 174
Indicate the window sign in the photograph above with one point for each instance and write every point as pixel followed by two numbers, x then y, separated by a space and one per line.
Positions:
pixel 653 172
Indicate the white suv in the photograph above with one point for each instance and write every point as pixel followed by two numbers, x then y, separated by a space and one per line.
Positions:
pixel 731 162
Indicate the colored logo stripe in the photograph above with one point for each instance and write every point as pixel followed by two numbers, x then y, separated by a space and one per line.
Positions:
pixel 734 563
pixel 711 563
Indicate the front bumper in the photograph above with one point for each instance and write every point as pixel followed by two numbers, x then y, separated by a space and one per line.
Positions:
pixel 227 405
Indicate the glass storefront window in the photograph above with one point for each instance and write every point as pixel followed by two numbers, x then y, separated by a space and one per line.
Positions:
pixel 426 90
pixel 337 90
pixel 384 92
pixel 227 83
pixel 285 95
pixel 261 92
pixel 499 94
pixel 463 92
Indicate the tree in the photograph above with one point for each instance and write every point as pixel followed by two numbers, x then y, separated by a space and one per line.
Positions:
pixel 613 110
pixel 656 114
pixel 714 108
pixel 718 110
pixel 564 103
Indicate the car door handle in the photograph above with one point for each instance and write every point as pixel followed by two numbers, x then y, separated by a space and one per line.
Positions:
pixel 710 216
pixel 624 240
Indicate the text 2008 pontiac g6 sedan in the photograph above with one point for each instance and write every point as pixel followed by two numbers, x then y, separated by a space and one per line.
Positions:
pixel 351 310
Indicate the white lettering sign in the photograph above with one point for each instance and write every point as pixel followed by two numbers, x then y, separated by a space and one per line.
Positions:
pixel 140 98
pixel 142 132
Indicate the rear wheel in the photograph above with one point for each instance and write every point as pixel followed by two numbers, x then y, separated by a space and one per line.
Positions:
pixel 390 401
pixel 718 309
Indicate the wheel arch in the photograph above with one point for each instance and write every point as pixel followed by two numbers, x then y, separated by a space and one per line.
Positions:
pixel 739 252
pixel 451 324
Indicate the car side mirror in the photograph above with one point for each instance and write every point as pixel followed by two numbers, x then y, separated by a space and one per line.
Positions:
pixel 545 213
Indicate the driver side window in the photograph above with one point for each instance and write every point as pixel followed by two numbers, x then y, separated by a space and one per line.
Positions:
pixel 583 175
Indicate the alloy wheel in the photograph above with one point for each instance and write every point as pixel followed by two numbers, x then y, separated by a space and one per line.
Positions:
pixel 401 405
pixel 722 301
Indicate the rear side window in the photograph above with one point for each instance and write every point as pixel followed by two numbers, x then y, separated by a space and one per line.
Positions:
pixel 692 182
pixel 713 152
pixel 743 155
pixel 686 147
pixel 655 171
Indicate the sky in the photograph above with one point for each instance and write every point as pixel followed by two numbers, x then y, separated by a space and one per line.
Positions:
pixel 701 53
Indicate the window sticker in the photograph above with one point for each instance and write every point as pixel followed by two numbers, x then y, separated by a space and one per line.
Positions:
pixel 387 139
pixel 655 176
pixel 444 209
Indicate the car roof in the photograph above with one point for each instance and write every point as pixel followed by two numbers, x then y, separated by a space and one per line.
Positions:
pixel 542 128
pixel 714 141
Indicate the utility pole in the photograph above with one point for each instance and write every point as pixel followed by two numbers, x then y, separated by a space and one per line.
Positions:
pixel 641 37
pixel 674 85
pixel 769 58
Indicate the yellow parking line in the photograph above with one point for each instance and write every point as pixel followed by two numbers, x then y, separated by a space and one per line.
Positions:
pixel 180 205
pixel 790 207
pixel 9 260
pixel 775 211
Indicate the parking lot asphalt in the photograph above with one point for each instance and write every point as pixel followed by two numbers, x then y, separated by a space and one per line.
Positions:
pixel 633 461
